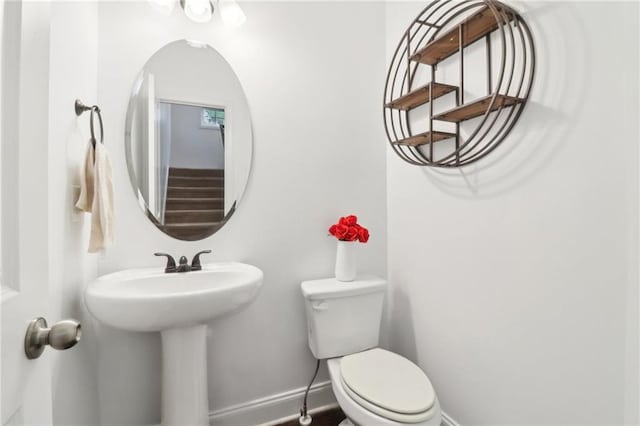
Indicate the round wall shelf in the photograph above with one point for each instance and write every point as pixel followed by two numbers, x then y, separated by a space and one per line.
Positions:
pixel 458 82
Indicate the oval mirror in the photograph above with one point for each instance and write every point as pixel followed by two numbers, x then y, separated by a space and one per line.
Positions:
pixel 188 140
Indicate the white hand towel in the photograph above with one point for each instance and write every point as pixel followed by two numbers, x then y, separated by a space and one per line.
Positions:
pixel 96 196
pixel 102 208
pixel 85 201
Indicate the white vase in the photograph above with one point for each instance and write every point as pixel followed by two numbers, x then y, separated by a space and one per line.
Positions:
pixel 346 266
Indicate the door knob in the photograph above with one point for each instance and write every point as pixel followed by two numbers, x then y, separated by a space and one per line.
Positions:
pixel 62 335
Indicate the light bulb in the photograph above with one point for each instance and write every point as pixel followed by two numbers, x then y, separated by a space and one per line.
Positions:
pixel 197 10
pixel 163 6
pixel 231 13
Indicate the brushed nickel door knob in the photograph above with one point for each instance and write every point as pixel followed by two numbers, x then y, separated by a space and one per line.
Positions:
pixel 62 335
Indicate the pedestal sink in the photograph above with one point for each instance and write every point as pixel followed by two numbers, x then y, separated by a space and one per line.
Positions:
pixel 178 305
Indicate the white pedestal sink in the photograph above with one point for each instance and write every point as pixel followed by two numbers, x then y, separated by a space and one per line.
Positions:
pixel 178 305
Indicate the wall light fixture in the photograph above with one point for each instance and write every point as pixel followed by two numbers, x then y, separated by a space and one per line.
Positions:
pixel 201 11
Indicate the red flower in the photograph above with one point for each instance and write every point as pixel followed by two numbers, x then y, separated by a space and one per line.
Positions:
pixel 348 229
pixel 363 235
pixel 352 234
pixel 341 231
pixel 348 220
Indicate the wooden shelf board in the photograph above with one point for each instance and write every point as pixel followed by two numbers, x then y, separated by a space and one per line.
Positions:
pixel 424 138
pixel 474 28
pixel 420 96
pixel 476 108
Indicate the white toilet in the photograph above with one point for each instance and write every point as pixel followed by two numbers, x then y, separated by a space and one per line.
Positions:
pixel 374 387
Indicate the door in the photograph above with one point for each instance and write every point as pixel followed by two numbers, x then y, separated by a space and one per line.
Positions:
pixel 26 384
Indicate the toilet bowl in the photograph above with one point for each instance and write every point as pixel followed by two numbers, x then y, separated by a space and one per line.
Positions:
pixel 391 406
pixel 373 386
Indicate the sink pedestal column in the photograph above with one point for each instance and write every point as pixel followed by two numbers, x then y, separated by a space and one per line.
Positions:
pixel 184 376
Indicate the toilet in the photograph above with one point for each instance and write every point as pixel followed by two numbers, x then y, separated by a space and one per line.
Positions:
pixel 373 386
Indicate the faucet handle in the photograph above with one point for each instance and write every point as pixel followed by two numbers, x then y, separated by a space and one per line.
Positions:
pixel 171 263
pixel 195 263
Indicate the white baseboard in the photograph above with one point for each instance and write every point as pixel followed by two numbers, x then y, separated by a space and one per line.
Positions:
pixel 282 407
pixel 274 409
pixel 447 420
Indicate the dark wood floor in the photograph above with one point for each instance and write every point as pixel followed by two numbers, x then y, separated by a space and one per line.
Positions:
pixel 325 418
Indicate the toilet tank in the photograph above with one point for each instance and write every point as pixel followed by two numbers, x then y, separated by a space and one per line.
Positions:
pixel 343 317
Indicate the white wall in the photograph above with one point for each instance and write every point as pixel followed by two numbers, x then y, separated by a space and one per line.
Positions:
pixel 510 277
pixel 192 146
pixel 311 165
pixel 73 74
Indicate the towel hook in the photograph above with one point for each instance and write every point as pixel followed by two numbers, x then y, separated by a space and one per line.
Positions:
pixel 93 136
pixel 80 108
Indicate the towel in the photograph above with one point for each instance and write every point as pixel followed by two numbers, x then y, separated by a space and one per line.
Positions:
pixel 85 200
pixel 96 196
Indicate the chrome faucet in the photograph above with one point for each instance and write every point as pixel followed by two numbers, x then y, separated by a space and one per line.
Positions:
pixel 183 262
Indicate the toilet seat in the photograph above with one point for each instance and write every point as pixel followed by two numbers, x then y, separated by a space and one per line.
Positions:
pixel 389 385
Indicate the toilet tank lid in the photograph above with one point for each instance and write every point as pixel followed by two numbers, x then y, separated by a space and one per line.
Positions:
pixel 332 288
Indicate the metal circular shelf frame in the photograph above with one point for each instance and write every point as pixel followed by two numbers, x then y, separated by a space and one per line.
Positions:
pixel 433 30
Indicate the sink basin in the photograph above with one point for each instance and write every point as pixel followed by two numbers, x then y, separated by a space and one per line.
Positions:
pixel 178 305
pixel 150 300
